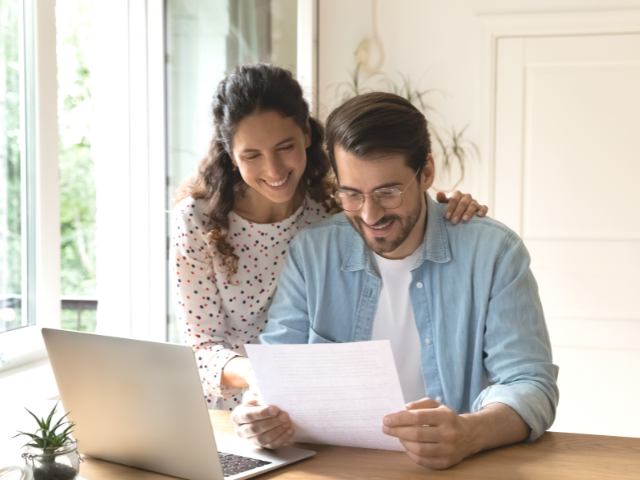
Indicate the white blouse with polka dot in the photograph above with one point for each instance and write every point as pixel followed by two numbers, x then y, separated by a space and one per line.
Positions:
pixel 216 318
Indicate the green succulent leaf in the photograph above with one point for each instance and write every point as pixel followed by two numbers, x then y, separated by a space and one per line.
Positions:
pixel 32 436
pixel 41 423
pixel 48 422
pixel 47 436
pixel 59 423
pixel 67 430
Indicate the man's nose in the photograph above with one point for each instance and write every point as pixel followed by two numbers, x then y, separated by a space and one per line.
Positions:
pixel 371 212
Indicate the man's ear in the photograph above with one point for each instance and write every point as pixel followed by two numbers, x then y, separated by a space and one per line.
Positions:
pixel 428 174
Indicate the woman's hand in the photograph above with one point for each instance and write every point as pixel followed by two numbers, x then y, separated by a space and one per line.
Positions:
pixel 462 206
pixel 264 426
pixel 239 373
pixel 250 377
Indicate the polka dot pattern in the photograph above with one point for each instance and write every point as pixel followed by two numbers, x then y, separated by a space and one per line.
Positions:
pixel 217 318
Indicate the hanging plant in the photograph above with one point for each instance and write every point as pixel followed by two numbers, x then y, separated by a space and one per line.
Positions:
pixel 455 149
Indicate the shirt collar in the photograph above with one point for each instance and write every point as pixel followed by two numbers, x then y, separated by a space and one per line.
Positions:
pixel 435 246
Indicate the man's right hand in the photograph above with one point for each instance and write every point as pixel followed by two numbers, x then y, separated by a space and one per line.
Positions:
pixel 264 426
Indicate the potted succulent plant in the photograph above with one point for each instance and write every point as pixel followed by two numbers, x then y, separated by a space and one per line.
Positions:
pixel 52 453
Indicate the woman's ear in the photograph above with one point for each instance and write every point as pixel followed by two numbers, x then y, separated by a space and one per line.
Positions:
pixel 307 135
pixel 234 162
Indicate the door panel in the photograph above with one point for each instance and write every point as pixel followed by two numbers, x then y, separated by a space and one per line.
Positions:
pixel 578 119
pixel 567 171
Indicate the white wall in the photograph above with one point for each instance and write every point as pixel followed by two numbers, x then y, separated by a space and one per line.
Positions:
pixel 437 39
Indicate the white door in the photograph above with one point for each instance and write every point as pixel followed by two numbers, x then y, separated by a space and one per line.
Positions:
pixel 567 179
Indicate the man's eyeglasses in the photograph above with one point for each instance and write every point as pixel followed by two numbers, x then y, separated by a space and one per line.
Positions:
pixel 387 198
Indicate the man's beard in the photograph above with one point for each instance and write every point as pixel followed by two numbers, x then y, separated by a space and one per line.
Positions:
pixel 382 245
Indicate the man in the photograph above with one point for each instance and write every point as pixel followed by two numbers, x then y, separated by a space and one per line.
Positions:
pixel 460 306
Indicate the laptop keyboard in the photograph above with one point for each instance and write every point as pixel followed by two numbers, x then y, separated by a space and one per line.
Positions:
pixel 235 464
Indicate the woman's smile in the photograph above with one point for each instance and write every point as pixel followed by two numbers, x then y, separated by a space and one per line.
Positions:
pixel 278 184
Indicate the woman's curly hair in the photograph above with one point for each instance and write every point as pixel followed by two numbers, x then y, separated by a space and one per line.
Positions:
pixel 246 91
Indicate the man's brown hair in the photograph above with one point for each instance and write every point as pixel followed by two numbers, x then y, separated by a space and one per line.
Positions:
pixel 379 123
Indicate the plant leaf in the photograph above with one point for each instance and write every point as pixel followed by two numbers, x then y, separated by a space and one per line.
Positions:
pixel 68 430
pixel 59 423
pixel 48 422
pixel 41 423
pixel 30 435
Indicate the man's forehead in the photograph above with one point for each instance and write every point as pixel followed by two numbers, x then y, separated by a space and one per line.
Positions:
pixel 348 162
pixel 364 174
pixel 380 156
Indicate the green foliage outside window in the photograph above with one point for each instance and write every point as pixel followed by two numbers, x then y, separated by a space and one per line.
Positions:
pixel 10 168
pixel 77 179
pixel 77 169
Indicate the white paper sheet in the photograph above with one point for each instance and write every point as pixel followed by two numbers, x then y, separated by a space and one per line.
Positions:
pixel 336 394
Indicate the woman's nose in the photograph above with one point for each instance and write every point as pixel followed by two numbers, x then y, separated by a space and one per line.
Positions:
pixel 275 167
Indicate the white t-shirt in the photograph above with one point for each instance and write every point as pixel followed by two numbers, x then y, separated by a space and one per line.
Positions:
pixel 395 321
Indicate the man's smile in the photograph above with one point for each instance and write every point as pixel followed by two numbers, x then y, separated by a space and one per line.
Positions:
pixel 380 229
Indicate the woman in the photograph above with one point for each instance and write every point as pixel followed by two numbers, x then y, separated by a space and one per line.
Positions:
pixel 264 179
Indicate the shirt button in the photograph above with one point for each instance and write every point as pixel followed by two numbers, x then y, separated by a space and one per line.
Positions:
pixel 427 341
pixel 419 284
pixel 439 399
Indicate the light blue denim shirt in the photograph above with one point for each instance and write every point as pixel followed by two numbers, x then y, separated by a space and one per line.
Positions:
pixel 475 302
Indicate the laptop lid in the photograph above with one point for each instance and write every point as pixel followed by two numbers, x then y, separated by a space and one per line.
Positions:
pixel 135 402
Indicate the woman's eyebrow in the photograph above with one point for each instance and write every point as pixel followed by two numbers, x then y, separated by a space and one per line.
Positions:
pixel 252 150
pixel 284 141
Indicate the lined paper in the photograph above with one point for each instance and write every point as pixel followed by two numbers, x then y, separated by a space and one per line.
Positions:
pixel 335 394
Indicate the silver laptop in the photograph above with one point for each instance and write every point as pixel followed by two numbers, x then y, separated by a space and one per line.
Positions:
pixel 141 404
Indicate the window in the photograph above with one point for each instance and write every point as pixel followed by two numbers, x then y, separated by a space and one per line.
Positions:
pixel 16 180
pixel 10 170
pixel 29 214
pixel 206 39
pixel 150 93
pixel 21 164
pixel 78 283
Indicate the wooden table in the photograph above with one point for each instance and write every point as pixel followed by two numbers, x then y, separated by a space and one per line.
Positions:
pixel 553 456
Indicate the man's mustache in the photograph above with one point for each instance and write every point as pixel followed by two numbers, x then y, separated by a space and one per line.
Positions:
pixel 382 221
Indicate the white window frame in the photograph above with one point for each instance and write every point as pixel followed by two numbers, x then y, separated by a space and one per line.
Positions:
pixel 307 61
pixel 39 147
pixel 129 148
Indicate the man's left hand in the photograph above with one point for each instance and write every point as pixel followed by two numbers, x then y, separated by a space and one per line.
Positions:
pixel 433 435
